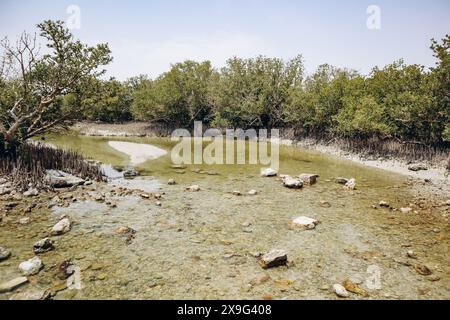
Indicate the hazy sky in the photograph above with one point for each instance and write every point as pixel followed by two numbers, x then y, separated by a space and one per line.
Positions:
pixel 147 36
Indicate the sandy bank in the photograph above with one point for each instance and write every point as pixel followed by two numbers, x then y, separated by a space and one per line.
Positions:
pixel 138 153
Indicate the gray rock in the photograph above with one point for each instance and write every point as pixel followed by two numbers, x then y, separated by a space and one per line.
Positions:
pixel 193 188
pixel 130 173
pixel 61 227
pixel 61 179
pixel 43 245
pixel 341 180
pixel 273 259
pixel 4 253
pixel 292 183
pixel 308 178
pixel 31 266
pixel 12 284
pixel 417 167
pixel 171 182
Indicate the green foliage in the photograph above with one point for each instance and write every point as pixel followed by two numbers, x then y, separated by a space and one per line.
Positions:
pixel 178 97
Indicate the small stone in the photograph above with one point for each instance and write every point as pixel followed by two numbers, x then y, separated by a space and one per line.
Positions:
pixel 417 167
pixel 43 245
pixel 268 172
pixel 237 193
pixel 341 180
pixel 171 182
pixel 405 210
pixel 158 203
pixel 31 193
pixel 25 220
pixel 325 204
pixel 292 183
pixel 308 178
pixel 340 291
pixel 63 226
pixel 423 270
pixel 411 254
pixel 31 266
pixel 12 284
pixel 434 278
pixel 384 204
pixel 144 195
pixel 351 184
pixel 273 259
pixel 305 223
pixel 193 188
pixel 4 253
pixel 252 192
pixel 125 230
pixel 448 202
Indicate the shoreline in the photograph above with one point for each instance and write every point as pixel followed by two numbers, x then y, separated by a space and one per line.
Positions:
pixel 436 176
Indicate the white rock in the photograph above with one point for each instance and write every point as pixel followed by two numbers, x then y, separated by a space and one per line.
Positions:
pixel 31 193
pixel 61 227
pixel 340 291
pixel 274 258
pixel 193 188
pixel 31 266
pixel 351 184
pixel 171 182
pixel 405 210
pixel 384 204
pixel 268 172
pixel 305 222
pixel 253 192
pixel 292 183
pixel 61 179
pixel 24 220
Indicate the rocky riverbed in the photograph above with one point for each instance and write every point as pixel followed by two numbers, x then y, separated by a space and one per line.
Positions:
pixel 227 233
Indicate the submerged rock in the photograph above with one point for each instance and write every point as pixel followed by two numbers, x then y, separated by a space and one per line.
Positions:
pixel 130 173
pixel 305 223
pixel 63 226
pixel 12 284
pixel 351 184
pixel 340 291
pixel 31 266
pixel 193 188
pixel 4 253
pixel 273 259
pixel 292 183
pixel 268 172
pixel 43 245
pixel 417 167
pixel 61 179
pixel 308 178
pixel 31 193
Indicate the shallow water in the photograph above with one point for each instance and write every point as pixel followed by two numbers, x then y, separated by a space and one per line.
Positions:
pixel 202 245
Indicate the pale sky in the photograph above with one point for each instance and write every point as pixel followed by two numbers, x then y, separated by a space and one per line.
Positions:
pixel 147 36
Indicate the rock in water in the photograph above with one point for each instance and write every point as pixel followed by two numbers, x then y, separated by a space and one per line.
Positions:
pixel 341 180
pixel 193 188
pixel 268 172
pixel 31 193
pixel 340 291
pixel 61 179
pixel 292 183
pixel 12 284
pixel 61 227
pixel 4 254
pixel 351 184
pixel 417 167
pixel 273 259
pixel 305 223
pixel 130 173
pixel 308 178
pixel 43 245
pixel 31 266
